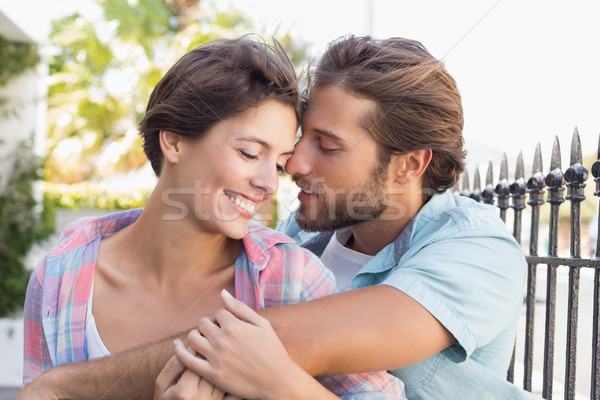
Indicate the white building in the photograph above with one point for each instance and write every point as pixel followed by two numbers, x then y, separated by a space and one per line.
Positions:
pixel 21 21
pixel 24 21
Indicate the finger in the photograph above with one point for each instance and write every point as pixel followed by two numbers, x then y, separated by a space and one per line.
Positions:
pixel 241 310
pixel 209 329
pixel 198 365
pixel 187 386
pixel 231 397
pixel 209 391
pixel 199 344
pixel 169 375
pixel 224 318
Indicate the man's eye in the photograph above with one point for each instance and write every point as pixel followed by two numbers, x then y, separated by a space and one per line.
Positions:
pixel 248 155
pixel 326 150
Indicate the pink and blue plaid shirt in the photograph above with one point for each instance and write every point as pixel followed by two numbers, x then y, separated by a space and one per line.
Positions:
pixel 271 270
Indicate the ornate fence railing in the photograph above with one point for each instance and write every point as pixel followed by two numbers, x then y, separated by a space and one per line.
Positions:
pixel 529 193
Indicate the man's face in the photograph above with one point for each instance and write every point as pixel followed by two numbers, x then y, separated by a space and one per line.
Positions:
pixel 335 163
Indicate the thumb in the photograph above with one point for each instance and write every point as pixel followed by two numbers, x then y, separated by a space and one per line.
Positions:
pixel 240 309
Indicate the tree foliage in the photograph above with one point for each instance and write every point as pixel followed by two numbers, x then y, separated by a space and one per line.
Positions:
pixel 102 73
pixel 20 228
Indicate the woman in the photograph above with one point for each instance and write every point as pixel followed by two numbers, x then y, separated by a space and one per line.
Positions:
pixel 218 127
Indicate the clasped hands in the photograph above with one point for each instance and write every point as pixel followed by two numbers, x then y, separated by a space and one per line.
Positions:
pixel 234 355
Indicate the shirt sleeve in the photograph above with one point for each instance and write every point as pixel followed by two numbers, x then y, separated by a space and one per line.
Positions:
pixel 306 278
pixel 36 355
pixel 364 386
pixel 472 284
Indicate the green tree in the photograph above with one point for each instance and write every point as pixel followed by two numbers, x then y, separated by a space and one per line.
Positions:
pixel 102 74
pixel 20 227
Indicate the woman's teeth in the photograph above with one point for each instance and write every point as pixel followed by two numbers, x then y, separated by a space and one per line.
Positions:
pixel 246 205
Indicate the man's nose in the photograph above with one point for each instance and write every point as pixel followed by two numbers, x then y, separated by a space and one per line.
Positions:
pixel 300 162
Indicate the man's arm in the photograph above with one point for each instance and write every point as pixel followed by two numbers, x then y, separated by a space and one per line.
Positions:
pixel 369 329
pixel 127 375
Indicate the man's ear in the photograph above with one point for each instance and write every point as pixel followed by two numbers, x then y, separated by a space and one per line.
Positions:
pixel 170 144
pixel 409 167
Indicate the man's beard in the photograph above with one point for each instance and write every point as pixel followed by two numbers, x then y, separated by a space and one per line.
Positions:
pixel 354 206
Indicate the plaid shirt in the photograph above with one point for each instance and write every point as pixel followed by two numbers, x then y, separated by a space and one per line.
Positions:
pixel 271 270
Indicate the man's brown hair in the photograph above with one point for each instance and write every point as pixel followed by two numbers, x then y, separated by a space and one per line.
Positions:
pixel 418 103
pixel 213 82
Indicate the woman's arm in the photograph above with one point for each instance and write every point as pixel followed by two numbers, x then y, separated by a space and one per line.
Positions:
pixel 260 367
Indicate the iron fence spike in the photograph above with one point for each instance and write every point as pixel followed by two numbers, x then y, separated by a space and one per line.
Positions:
pixel 503 167
pixel 520 169
pixel 555 159
pixel 575 148
pixel 489 177
pixel 477 180
pixel 466 187
pixel 537 159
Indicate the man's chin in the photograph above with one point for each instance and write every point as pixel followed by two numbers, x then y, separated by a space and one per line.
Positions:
pixel 322 223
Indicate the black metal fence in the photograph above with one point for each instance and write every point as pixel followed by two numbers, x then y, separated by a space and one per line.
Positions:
pixel 537 186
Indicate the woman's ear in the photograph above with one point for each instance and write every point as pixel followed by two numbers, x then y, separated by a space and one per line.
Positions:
pixel 409 167
pixel 170 144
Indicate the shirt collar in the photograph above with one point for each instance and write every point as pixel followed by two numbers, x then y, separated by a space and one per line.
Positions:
pixel 259 240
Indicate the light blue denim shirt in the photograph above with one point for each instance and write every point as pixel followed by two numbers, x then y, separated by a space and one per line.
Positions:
pixel 456 258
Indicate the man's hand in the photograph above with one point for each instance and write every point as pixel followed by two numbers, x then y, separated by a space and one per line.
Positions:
pixel 40 389
pixel 175 382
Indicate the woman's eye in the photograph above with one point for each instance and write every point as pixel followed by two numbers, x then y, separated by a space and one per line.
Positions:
pixel 248 155
pixel 281 170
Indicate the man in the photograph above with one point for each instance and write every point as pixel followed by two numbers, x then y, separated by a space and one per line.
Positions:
pixel 437 280
pixel 381 144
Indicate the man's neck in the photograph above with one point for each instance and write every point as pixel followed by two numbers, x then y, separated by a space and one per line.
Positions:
pixel 370 237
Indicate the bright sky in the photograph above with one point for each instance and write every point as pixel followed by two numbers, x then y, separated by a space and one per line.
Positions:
pixel 527 70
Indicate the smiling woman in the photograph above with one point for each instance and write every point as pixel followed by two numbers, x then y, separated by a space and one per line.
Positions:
pixel 218 129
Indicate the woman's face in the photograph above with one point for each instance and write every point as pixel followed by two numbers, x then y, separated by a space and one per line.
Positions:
pixel 223 177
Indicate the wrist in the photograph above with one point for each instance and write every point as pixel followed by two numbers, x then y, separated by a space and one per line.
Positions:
pixel 293 385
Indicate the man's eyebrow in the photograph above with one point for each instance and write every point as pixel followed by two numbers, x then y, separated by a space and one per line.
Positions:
pixel 329 134
pixel 262 143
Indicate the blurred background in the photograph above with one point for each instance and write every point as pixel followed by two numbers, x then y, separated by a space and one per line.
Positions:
pixel 75 76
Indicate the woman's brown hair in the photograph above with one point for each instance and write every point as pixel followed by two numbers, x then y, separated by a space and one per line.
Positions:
pixel 213 82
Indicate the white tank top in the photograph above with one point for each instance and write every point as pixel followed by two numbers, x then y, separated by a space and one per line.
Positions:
pixel 95 346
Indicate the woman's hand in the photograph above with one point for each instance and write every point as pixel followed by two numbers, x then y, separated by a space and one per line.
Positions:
pixel 177 382
pixel 242 354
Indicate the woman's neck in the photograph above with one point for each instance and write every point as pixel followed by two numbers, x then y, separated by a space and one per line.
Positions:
pixel 170 251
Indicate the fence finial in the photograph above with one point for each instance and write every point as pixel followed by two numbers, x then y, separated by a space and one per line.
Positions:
pixel 476 193
pixel 555 178
pixel 520 169
pixel 488 191
pixel 535 184
pixel 517 188
pixel 503 167
pixel 503 188
pixel 576 148
pixel 576 174
pixel 537 159
pixel 596 170
pixel 466 186
pixel 555 159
